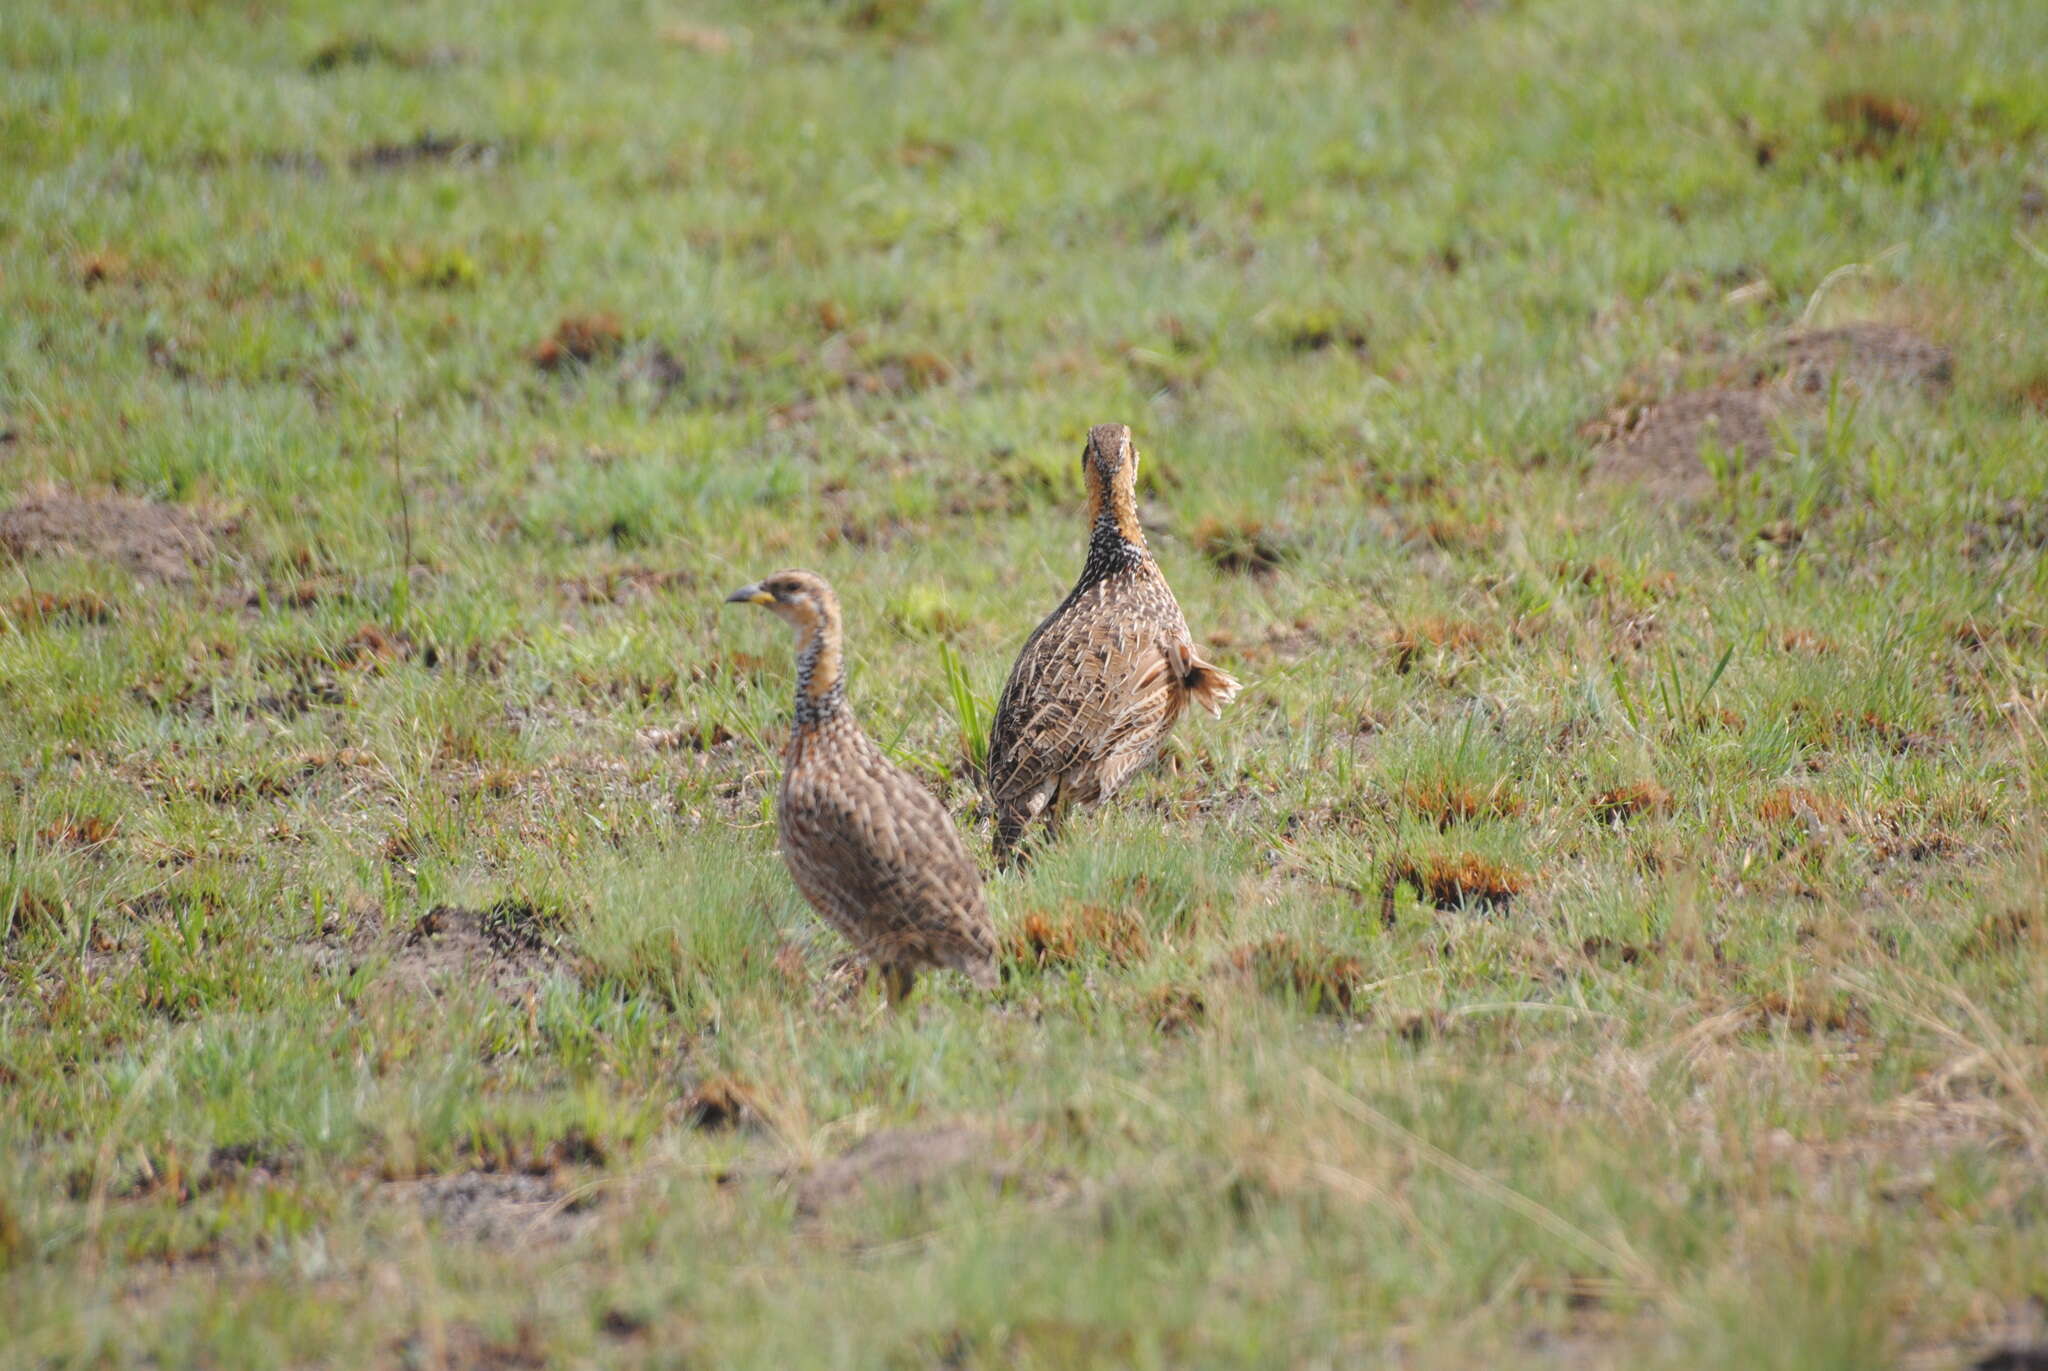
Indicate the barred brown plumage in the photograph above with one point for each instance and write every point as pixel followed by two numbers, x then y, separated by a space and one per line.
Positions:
pixel 871 850
pixel 1100 683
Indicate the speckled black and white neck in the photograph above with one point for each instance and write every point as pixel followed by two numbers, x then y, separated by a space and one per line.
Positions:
pixel 1109 551
pixel 814 709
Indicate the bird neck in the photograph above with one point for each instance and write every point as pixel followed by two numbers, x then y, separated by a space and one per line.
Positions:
pixel 820 673
pixel 1116 540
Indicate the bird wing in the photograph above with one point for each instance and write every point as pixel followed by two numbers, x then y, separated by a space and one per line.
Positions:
pixel 1093 685
pixel 880 859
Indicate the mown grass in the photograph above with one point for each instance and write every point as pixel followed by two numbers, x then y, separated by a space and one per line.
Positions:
pixel 1608 930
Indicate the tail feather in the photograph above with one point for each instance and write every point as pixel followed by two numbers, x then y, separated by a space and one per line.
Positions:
pixel 1207 684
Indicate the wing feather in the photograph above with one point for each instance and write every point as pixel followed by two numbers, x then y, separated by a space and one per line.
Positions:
pixel 879 858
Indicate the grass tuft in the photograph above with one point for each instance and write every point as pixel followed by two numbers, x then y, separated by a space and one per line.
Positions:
pixel 1089 933
pixel 578 340
pixel 1319 979
pixel 1454 880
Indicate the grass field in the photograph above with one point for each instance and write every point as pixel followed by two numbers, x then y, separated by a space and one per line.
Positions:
pixel 1608 931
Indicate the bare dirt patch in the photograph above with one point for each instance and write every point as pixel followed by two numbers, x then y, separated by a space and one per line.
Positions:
pixel 1661 447
pixel 1869 356
pixel 894 1159
pixel 154 542
pixel 1661 444
pixel 497 1208
pixel 507 947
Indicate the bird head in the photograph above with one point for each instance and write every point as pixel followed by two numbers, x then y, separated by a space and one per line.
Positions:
pixel 800 598
pixel 1109 468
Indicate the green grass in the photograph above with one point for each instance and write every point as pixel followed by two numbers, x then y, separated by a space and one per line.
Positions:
pixel 1608 930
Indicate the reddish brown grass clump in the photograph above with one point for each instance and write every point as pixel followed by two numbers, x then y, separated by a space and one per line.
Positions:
pixel 1245 546
pixel 373 646
pixel 1408 641
pixel 1789 802
pixel 42 607
pixel 2001 932
pixel 1871 122
pixel 698 38
pixel 1808 1011
pixel 1445 803
pixel 1326 981
pixel 87 830
pixel 98 268
pixel 1174 1008
pixel 579 339
pixel 1117 935
pixel 1806 641
pixel 1629 801
pixel 1452 880
pixel 720 1102
pixel 2034 395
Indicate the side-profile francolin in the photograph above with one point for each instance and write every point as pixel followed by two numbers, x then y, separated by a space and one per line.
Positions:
pixel 871 849
pixel 1105 677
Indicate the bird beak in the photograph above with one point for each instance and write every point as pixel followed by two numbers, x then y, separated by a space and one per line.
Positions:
pixel 750 595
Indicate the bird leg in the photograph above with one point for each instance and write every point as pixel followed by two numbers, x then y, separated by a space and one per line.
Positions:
pixel 1009 835
pixel 898 979
pixel 1055 815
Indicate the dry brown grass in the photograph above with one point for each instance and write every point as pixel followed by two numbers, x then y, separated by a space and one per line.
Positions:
pixel 1453 880
pixel 1445 803
pixel 42 607
pixel 1631 801
pixel 1079 934
pixel 1173 1008
pixel 1810 1010
pixel 720 1102
pixel 102 268
pixel 1408 641
pixel 85 830
pixel 1245 546
pixel 1788 802
pixel 699 38
pixel 1327 981
pixel 1869 122
pixel 577 340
